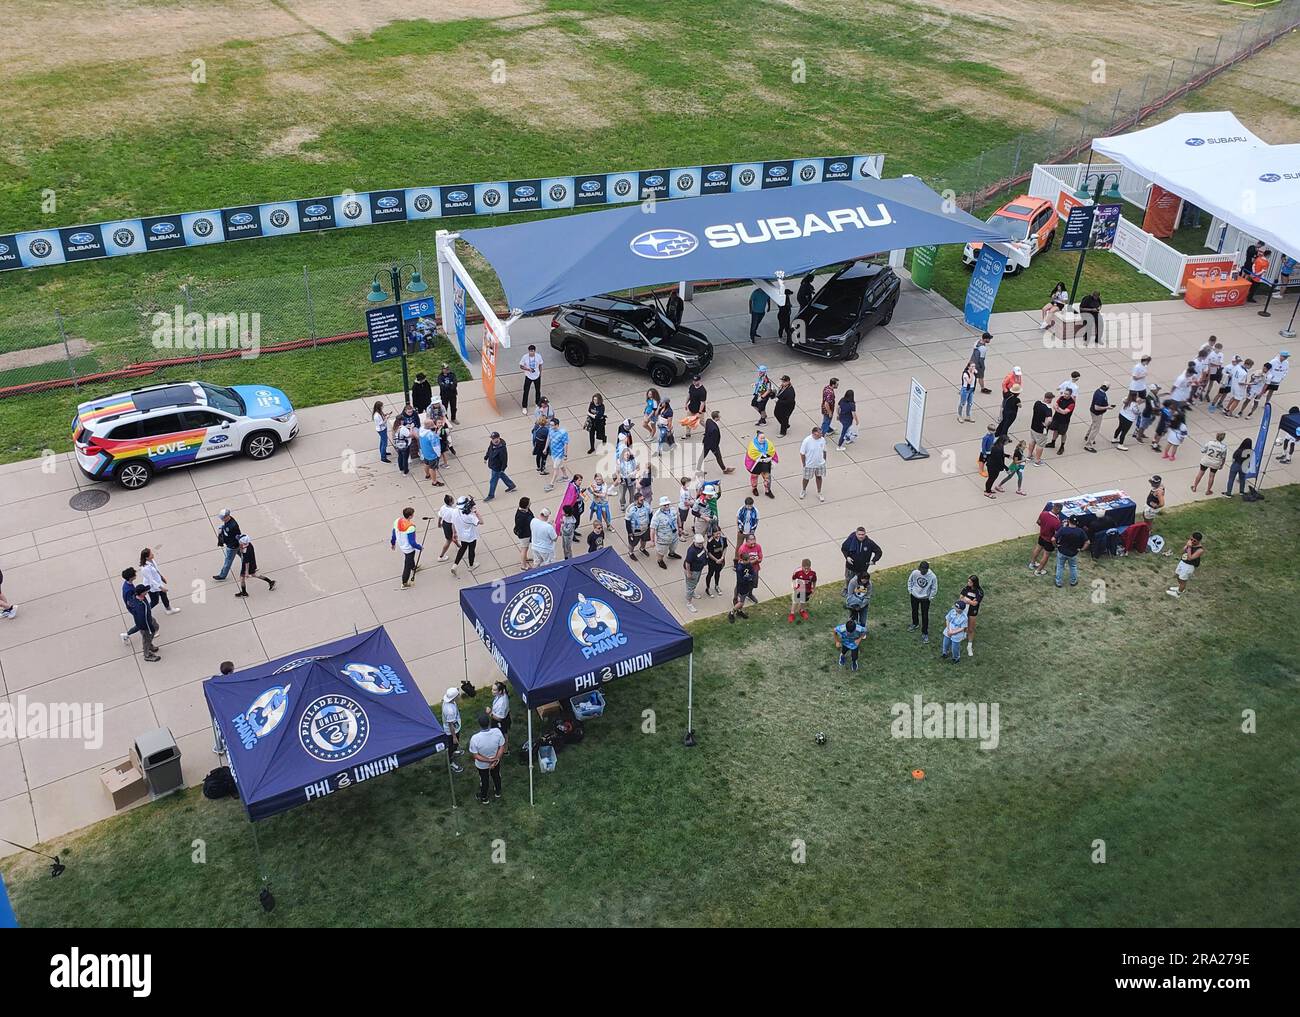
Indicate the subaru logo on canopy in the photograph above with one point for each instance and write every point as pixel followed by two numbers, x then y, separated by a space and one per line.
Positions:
pixel 81 238
pixel 1270 178
pixel 1195 142
pixel 663 243
pixel 159 229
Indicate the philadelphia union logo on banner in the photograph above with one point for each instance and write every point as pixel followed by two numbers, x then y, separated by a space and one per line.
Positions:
pixel 280 218
pixel 594 626
pixel 352 210
pixel 263 715
pixel 559 192
pixel 202 227
pixel 423 202
pixel 746 177
pixel 491 197
pixel 40 248
pixel 527 611
pixel 333 728
pixel 806 173
pixel 622 188
pixel 617 585
pixel 379 681
pixel 661 244
pixel 124 237
pixel 685 182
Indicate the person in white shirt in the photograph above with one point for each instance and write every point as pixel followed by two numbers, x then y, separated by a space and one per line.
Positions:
pixel 156 582
pixel 1181 390
pixel 451 724
pixel 467 521
pixel 542 538
pixel 1238 378
pixel 531 364
pixel 447 518
pixel 487 747
pixel 381 429
pixel 1226 376
pixel 1137 386
pixel 1281 366
pixel 500 712
pixel 1071 385
pixel 812 453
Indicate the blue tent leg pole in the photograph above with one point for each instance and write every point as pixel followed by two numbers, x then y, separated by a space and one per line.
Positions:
pixel 530 757
pixel 451 783
pixel 689 740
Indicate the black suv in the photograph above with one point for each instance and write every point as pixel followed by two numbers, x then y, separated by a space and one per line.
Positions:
pixel 626 332
pixel 850 303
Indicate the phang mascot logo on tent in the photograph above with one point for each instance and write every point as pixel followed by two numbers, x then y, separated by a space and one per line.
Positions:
pixel 594 626
pixel 263 715
pixel 379 681
pixel 333 728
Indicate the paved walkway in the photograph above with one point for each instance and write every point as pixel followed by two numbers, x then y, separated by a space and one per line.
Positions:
pixel 323 532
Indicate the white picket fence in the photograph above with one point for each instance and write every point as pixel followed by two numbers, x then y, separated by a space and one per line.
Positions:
pixel 1149 255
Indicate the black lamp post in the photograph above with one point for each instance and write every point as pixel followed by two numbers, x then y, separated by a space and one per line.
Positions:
pixel 1097 195
pixel 377 295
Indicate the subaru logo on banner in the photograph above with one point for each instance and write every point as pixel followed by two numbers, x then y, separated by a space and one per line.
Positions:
pixel 458 314
pixel 983 289
pixel 661 244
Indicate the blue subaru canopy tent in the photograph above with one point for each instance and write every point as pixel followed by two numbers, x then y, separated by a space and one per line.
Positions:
pixel 305 726
pixel 559 631
pixel 762 234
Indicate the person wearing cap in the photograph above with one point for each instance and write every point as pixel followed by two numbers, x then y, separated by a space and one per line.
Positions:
pixel 228 540
pixel 497 456
pixel 803 581
pixel 1097 413
pixel 1070 540
pixel 666 531
pixel 1281 366
pixel 487 746
pixel 541 538
pixel 812 454
pixel 248 565
pixel 637 521
pixel 761 393
pixel 142 615
pixel 451 724
pixel 1013 377
pixel 1010 408
pixel 403 537
pixel 697 557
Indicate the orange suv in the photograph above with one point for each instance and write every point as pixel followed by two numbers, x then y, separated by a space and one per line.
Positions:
pixel 1031 222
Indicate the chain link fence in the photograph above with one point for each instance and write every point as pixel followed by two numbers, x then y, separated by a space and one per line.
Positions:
pixel 42 348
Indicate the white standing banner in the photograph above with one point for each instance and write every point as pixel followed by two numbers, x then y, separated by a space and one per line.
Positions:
pixel 912 447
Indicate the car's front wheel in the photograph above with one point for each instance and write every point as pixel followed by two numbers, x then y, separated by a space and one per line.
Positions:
pixel 575 354
pixel 851 352
pixel 261 445
pixel 134 475
pixel 662 375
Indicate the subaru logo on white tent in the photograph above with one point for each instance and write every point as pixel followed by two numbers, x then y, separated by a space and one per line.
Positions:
pixel 663 243
pixel 1270 178
pixel 1194 142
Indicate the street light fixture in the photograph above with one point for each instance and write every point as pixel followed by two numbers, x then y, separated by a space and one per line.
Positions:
pixel 417 285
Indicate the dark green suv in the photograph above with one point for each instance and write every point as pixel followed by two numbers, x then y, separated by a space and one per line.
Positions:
pixel 627 332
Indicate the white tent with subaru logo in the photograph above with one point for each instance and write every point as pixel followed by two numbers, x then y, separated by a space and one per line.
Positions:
pixel 1214 162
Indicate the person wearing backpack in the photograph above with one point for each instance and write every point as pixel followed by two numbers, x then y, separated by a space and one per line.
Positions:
pixel 402 437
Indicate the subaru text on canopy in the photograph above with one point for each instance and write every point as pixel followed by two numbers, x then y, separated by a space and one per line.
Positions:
pixel 130 436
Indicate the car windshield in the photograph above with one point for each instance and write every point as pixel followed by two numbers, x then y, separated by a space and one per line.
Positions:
pixel 837 307
pixel 222 398
pixel 1018 228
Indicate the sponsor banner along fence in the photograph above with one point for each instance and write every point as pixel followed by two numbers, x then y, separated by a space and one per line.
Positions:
pixel 62 245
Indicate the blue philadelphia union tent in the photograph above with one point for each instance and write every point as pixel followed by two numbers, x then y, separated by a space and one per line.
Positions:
pixel 759 234
pixel 305 726
pixel 568 628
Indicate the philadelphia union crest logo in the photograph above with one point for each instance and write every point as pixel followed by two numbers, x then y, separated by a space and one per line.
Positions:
pixel 527 611
pixel 617 585
pixel 333 728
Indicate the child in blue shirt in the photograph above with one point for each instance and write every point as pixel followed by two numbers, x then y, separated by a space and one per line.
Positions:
pixel 847 638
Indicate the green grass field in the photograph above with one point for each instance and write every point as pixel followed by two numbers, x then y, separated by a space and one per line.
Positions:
pixel 1121 714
